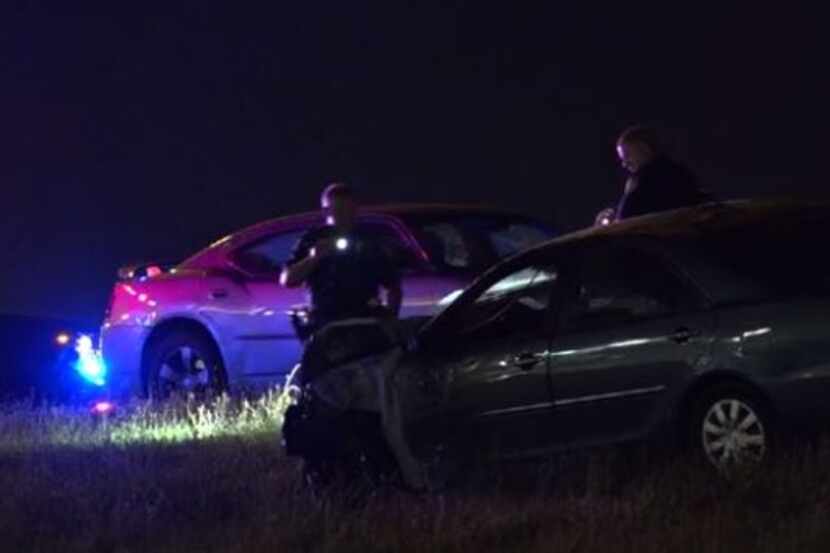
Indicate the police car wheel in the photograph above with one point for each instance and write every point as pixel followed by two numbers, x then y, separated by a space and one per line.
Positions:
pixel 184 364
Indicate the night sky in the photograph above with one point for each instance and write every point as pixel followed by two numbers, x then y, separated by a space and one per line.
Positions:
pixel 126 136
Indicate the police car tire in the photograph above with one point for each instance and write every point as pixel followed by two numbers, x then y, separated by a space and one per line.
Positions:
pixel 202 346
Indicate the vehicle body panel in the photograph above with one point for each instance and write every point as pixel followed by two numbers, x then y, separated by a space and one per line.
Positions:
pixel 499 404
pixel 783 347
pixel 610 384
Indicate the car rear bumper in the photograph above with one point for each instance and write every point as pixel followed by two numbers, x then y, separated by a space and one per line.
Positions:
pixel 121 347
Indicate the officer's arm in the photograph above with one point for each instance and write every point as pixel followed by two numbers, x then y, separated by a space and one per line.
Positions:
pixel 296 274
pixel 303 262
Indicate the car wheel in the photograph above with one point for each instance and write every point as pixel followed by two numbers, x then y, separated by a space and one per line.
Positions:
pixel 731 427
pixel 183 363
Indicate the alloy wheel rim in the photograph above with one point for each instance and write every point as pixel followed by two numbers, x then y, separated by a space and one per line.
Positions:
pixel 183 371
pixel 733 434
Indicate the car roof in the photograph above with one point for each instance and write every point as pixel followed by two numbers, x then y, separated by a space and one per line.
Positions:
pixel 398 210
pixel 698 220
pixel 393 210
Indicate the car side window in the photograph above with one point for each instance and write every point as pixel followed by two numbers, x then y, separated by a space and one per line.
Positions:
pixel 392 243
pixel 266 257
pixel 513 238
pixel 448 246
pixel 518 302
pixel 467 243
pixel 620 286
pixel 766 260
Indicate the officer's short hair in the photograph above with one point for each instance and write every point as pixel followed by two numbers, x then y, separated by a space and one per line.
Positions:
pixel 642 134
pixel 337 190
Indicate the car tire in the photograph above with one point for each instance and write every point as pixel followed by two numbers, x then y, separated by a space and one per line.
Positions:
pixel 184 363
pixel 731 427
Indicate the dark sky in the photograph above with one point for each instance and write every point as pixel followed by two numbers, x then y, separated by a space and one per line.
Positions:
pixel 125 136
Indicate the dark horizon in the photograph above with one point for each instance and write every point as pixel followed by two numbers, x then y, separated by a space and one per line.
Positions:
pixel 131 137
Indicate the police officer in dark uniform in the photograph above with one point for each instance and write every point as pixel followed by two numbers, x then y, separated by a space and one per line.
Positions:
pixel 345 270
pixel 343 267
pixel 657 182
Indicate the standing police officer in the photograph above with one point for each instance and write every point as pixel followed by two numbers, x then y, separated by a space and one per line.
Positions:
pixel 342 266
pixel 345 269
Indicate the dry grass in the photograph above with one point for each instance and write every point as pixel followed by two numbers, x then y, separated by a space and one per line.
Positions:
pixel 25 427
pixel 185 479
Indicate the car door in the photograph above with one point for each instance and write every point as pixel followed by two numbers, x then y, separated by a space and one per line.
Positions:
pixel 630 329
pixel 495 361
pixel 253 312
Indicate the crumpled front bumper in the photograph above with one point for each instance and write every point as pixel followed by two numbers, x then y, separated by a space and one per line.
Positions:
pixel 375 388
pixel 310 429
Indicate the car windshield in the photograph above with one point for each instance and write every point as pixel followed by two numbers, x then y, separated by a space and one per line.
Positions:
pixel 472 243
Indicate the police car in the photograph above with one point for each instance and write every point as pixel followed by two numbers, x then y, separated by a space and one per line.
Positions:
pixel 220 320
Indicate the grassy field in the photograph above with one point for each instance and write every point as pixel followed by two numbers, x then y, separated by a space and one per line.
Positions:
pixel 196 478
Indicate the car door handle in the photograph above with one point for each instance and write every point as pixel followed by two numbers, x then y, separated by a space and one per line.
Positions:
pixel 527 361
pixel 683 334
pixel 218 294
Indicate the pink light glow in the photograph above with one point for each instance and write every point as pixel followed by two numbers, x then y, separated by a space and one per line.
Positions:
pixel 142 298
pixel 130 290
pixel 103 407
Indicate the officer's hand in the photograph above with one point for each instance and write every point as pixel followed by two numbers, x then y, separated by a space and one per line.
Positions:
pixel 324 247
pixel 604 217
